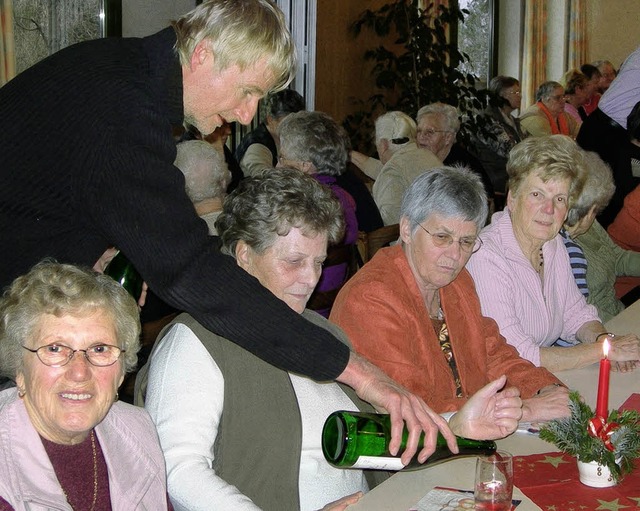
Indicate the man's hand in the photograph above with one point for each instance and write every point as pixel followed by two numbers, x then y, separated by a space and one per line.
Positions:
pixel 374 386
pixel 104 261
pixel 552 402
pixel 490 413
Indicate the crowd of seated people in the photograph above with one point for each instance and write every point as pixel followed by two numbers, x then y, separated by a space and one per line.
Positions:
pixel 413 310
pixel 471 318
pixel 277 227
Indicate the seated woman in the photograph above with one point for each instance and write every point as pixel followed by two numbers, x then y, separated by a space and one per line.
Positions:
pixel 241 434
pixel 412 309
pixel 522 273
pixel 577 91
pixel 547 115
pixel 313 143
pixel 605 260
pixel 68 336
pixel 493 151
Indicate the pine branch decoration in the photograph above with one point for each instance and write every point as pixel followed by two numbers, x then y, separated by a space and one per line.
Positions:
pixel 571 436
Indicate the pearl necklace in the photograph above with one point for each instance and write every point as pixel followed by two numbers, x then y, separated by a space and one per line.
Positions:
pixel 95 474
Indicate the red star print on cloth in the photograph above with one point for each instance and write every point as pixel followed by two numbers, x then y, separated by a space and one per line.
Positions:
pixel 551 481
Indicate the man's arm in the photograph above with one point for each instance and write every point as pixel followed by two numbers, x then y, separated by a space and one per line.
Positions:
pixel 374 386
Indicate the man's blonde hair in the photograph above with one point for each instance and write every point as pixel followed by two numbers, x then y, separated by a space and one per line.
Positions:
pixel 241 33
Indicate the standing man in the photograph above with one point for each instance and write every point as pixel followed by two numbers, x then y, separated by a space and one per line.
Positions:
pixel 87 162
pixel 605 132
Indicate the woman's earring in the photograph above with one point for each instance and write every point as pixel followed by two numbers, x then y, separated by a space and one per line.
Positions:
pixel 21 393
pixel 117 397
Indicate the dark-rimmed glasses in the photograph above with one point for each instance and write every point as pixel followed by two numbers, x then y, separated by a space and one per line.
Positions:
pixel 58 355
pixel 469 245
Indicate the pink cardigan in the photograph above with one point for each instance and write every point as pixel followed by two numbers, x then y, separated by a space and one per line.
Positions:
pixel 511 292
pixel 383 313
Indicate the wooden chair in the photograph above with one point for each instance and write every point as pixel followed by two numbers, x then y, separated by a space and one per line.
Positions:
pixel 370 242
pixel 150 331
pixel 336 254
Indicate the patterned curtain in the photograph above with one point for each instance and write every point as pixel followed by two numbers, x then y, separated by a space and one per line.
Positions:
pixel 535 46
pixel 577 50
pixel 7 51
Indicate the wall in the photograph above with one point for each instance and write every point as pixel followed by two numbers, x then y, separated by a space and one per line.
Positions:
pixel 143 17
pixel 341 71
pixel 613 29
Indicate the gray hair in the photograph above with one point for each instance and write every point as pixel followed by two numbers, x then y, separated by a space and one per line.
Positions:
pixel 546 89
pixel 448 112
pixel 63 289
pixel 552 157
pixel 452 192
pixel 597 190
pixel 315 137
pixel 269 204
pixel 396 127
pixel 205 170
pixel 239 32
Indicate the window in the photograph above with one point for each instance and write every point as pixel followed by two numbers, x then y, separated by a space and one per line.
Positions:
pixel 476 37
pixel 42 27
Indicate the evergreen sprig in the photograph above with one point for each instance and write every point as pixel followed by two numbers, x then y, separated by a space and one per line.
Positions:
pixel 571 436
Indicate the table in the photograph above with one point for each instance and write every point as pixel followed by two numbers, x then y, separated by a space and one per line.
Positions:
pixel 405 489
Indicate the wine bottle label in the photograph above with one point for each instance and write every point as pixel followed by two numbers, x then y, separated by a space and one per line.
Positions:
pixel 378 463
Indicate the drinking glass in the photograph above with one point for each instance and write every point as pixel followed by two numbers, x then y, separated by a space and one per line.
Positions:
pixel 494 482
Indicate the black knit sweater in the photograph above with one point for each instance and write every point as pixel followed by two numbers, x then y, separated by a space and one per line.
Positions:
pixel 86 154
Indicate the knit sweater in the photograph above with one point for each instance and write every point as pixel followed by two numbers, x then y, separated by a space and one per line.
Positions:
pixel 87 162
pixel 606 262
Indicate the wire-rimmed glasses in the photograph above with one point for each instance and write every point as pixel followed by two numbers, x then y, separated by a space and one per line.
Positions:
pixel 470 244
pixel 58 355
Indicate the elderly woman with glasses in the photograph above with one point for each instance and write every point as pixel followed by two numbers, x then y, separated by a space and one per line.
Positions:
pixel 239 433
pixel 547 115
pixel 522 273
pixel 414 312
pixel 67 337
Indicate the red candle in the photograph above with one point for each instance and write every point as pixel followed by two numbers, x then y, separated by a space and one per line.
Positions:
pixel 602 404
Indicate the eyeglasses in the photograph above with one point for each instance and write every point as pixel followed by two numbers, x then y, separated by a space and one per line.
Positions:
pixel 58 355
pixel 430 132
pixel 558 98
pixel 442 240
pixel 514 93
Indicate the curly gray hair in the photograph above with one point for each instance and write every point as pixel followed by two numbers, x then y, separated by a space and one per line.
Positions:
pixel 62 289
pixel 269 204
pixel 314 137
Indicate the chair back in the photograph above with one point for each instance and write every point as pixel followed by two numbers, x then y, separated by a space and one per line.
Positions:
pixel 370 242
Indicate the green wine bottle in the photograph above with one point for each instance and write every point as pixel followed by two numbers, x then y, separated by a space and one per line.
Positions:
pixel 361 440
pixel 122 271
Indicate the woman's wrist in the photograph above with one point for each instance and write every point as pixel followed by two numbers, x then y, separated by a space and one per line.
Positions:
pixel 604 334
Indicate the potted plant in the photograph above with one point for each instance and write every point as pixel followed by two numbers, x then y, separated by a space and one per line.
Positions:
pixel 607 445
pixel 417 62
